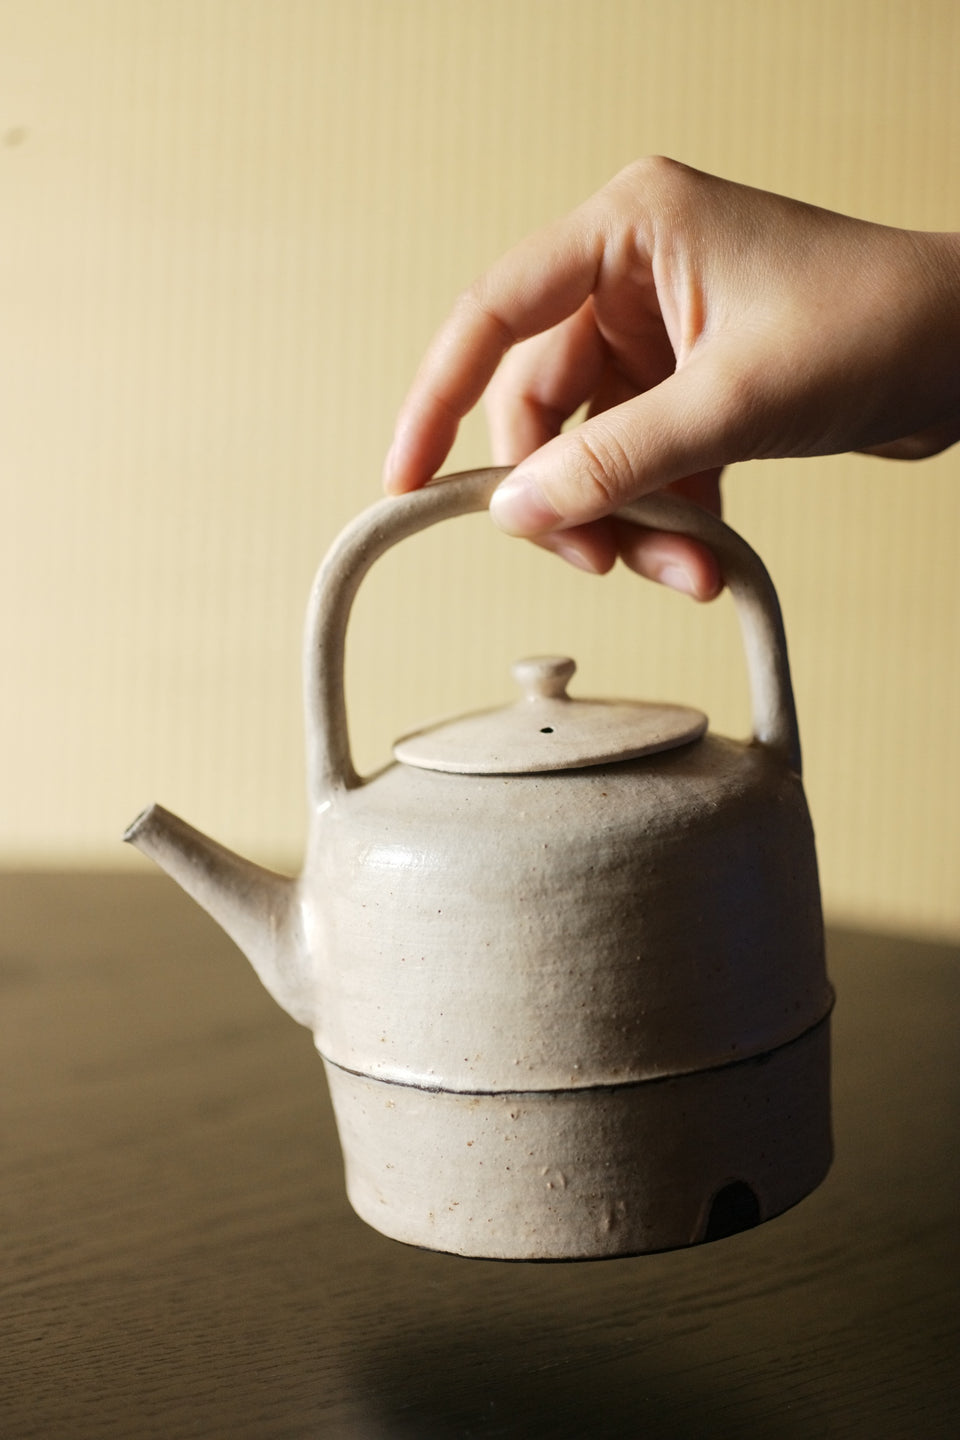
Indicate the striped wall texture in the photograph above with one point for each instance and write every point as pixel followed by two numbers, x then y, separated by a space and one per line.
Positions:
pixel 227 229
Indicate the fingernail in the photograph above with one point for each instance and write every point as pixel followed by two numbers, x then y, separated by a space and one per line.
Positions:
pixel 677 579
pixel 518 506
pixel 388 468
pixel 573 556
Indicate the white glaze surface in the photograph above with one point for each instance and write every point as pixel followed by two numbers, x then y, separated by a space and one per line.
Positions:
pixel 534 932
pixel 584 1175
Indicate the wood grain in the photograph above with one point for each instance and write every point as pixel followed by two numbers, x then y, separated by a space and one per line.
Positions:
pixel 177 1256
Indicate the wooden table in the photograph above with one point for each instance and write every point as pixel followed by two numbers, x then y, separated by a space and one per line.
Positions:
pixel 178 1258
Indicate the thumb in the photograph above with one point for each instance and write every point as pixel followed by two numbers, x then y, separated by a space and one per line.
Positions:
pixel 691 422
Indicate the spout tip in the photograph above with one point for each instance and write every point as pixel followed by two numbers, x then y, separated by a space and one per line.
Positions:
pixel 136 827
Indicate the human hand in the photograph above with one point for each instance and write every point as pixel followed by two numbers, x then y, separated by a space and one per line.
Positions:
pixel 702 323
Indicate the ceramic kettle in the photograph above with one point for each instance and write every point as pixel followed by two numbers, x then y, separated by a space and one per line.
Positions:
pixel 564 960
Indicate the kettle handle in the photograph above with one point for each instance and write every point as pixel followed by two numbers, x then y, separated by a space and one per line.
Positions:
pixel 373 532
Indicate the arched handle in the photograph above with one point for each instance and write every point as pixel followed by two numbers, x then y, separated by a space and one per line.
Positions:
pixel 329 762
pixel 758 611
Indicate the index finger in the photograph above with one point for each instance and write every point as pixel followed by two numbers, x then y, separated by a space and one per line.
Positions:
pixel 538 283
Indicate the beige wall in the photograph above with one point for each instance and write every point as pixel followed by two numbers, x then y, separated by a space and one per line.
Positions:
pixel 228 228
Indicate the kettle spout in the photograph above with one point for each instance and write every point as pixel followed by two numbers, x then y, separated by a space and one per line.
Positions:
pixel 257 908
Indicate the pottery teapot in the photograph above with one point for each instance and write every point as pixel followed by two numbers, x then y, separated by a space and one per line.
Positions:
pixel 563 961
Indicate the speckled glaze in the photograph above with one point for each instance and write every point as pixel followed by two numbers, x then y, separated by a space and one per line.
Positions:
pixel 563 1014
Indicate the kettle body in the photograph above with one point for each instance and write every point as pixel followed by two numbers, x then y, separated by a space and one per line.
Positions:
pixel 545 1049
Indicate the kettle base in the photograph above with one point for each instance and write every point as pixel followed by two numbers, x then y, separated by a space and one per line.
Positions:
pixel 591 1173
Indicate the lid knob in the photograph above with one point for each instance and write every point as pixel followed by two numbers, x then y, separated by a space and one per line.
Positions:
pixel 544 677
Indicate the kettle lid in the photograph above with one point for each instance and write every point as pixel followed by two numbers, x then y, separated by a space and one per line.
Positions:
pixel 548 730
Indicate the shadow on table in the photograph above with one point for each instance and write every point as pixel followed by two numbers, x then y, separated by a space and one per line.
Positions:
pixel 438 1385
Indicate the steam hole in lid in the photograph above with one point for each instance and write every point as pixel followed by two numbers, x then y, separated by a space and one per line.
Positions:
pixel 546 730
pixel 734 1208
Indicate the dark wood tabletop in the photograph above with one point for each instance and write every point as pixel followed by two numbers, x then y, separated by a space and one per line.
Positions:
pixel 179 1259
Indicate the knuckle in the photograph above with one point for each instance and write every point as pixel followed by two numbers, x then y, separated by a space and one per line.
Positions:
pixel 654 175
pixel 644 195
pixel 596 467
pixel 741 400
pixel 476 303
